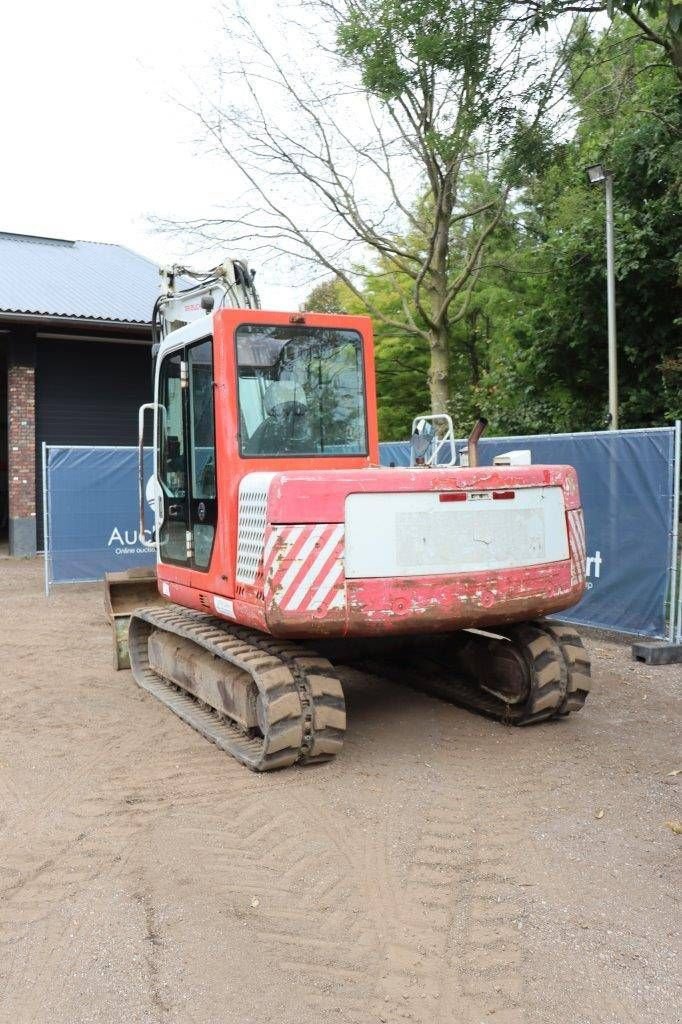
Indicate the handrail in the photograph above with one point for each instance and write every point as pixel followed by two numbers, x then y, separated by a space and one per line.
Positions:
pixel 140 471
pixel 436 442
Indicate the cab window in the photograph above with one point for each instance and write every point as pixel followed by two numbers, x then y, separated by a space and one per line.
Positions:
pixel 301 391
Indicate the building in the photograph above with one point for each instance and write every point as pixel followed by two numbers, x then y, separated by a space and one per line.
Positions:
pixel 75 363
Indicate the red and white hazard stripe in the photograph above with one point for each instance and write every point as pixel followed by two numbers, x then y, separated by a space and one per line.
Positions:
pixel 303 567
pixel 576 539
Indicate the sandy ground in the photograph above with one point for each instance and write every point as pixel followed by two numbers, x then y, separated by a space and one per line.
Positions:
pixel 443 869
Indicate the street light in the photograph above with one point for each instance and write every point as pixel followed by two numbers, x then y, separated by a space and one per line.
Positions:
pixel 597 174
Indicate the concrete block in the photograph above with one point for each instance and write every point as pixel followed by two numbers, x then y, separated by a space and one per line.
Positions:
pixel 657 652
pixel 22 537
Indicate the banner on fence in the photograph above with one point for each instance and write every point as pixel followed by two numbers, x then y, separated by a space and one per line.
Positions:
pixel 627 481
pixel 91 513
pixel 627 485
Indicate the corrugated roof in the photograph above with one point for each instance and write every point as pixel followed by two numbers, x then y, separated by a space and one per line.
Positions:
pixel 90 280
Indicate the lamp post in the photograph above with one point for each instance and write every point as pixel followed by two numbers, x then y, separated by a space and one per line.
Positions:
pixel 597 174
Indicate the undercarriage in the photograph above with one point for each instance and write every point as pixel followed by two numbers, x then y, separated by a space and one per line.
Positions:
pixel 272 703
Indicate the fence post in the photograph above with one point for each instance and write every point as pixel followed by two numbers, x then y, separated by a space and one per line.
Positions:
pixel 675 583
pixel 46 540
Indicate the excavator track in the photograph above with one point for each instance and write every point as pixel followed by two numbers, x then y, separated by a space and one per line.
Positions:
pixel 526 673
pixel 295 701
pixel 550 659
pixel 576 664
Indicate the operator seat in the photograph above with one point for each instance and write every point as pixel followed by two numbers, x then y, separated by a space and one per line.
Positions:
pixel 286 427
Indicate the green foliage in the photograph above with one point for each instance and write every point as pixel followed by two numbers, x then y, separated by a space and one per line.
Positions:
pixel 325 298
pixel 659 21
pixel 630 120
pixel 531 352
pixel 394 41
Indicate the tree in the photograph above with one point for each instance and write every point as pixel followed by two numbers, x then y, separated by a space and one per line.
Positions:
pixel 326 297
pixel 548 363
pixel 373 160
pixel 531 352
pixel 659 22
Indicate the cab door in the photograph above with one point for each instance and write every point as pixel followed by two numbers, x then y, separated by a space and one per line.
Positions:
pixel 186 457
pixel 172 461
pixel 203 503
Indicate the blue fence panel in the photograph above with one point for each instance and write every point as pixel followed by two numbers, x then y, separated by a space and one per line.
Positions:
pixel 396 453
pixel 92 513
pixel 626 483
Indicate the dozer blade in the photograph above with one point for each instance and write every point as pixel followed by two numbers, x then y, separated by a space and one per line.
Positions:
pixel 123 592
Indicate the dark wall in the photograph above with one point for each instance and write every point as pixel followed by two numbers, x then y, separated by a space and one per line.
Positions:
pixel 4 511
pixel 88 392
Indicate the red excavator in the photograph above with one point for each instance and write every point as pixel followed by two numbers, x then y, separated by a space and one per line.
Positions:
pixel 281 543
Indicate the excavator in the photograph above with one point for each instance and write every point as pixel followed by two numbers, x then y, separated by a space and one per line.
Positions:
pixel 283 548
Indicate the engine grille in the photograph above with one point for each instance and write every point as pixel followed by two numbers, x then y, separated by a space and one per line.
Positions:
pixel 253 503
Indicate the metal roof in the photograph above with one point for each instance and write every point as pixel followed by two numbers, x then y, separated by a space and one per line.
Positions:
pixel 55 277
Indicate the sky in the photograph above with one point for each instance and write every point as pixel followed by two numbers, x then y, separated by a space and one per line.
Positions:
pixel 95 140
pixel 95 137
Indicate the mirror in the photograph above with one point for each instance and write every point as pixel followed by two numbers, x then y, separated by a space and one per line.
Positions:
pixel 422 438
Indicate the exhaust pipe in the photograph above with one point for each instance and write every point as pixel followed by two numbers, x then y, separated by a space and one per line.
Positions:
pixel 474 437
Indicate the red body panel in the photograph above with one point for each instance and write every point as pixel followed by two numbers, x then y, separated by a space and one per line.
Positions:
pixel 300 588
pixel 425 604
pixel 298 497
pixel 305 592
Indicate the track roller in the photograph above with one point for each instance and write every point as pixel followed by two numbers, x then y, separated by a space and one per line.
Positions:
pixel 269 703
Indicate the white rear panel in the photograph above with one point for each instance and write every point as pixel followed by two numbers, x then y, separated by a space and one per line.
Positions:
pixel 409 534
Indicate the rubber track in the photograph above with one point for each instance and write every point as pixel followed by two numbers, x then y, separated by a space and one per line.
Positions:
pixel 547 675
pixel 300 698
pixel 547 678
pixel 576 664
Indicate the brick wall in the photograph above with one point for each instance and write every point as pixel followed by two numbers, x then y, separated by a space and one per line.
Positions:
pixel 21 431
